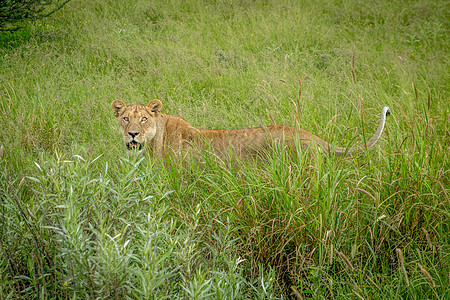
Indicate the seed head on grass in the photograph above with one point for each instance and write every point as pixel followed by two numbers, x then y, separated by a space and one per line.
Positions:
pixel 401 260
pixel 427 236
pixel 346 261
pixel 427 274
pixel 21 182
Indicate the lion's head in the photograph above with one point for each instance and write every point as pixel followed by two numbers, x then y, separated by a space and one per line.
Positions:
pixel 137 122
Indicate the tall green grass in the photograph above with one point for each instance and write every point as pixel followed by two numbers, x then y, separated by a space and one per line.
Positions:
pixel 82 218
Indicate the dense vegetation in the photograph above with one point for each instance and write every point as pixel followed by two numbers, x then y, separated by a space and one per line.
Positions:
pixel 81 217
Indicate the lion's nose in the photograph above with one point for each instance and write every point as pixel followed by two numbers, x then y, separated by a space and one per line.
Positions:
pixel 133 133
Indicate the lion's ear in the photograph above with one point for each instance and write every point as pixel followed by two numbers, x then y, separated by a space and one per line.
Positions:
pixel 155 106
pixel 118 107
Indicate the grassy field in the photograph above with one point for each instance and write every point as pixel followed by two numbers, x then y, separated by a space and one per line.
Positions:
pixel 81 218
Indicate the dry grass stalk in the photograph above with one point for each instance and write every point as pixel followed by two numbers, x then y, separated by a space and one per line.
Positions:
pixel 429 99
pixel 401 260
pixel 331 253
pixel 271 117
pixel 367 193
pixel 427 274
pixel 1 151
pixel 415 92
pixel 359 296
pixel 373 282
pixel 299 110
pixel 296 293
pixel 353 66
pixel 361 111
pixel 346 261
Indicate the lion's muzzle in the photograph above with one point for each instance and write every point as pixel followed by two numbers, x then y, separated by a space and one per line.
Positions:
pixel 133 145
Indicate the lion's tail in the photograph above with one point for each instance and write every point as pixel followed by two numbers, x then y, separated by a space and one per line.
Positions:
pixel 340 151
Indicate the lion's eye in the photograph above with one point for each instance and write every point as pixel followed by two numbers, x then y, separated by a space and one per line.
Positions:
pixel 126 119
pixel 144 119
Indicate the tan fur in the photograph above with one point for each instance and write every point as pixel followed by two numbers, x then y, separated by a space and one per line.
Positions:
pixel 165 133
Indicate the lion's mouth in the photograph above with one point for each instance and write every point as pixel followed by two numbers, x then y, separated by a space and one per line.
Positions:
pixel 133 145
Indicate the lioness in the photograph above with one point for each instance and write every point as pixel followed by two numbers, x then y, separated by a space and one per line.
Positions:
pixel 163 133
